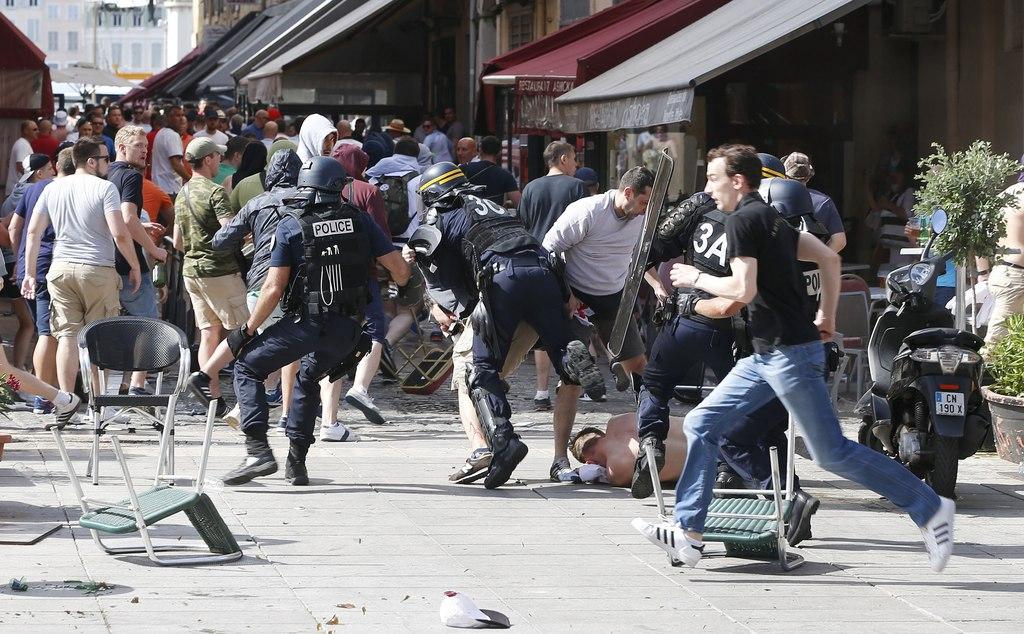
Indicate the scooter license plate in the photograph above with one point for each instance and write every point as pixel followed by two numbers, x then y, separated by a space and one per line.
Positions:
pixel 949 404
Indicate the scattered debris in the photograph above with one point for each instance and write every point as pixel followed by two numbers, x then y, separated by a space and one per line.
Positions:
pixel 333 620
pixel 134 600
pixel 90 587
pixel 406 597
pixel 364 609
pixel 19 585
pixel 347 606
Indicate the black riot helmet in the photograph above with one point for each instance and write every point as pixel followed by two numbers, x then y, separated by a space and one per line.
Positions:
pixel 789 197
pixel 321 179
pixel 771 166
pixel 441 181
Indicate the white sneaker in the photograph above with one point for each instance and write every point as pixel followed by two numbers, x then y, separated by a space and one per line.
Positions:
pixel 938 534
pixel 234 418
pixel 670 537
pixel 360 400
pixel 337 432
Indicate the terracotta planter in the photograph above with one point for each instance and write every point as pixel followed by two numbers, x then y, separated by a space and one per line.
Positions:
pixel 1007 424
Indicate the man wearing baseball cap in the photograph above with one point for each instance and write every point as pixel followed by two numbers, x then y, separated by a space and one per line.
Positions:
pixel 212 130
pixel 212 277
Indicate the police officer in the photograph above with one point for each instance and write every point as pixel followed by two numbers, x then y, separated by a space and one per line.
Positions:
pixel 482 260
pixel 320 265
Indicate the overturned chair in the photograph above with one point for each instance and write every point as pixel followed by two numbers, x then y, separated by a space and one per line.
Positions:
pixel 129 344
pixel 748 526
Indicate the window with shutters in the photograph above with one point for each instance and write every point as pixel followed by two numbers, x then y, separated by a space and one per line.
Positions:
pixel 72 40
pixel 52 41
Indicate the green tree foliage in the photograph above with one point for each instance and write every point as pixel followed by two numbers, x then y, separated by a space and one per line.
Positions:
pixel 969 185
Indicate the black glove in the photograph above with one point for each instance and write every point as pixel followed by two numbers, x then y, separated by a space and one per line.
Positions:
pixel 687 304
pixel 832 356
pixel 411 293
pixel 238 339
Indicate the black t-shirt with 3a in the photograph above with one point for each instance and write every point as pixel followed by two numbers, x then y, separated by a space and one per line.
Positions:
pixel 778 313
pixel 128 181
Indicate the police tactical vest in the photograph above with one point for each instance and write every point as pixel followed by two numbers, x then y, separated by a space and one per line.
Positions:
pixel 709 252
pixel 811 272
pixel 334 277
pixel 493 229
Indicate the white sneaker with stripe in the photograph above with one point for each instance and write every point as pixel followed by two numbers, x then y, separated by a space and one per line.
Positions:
pixel 670 537
pixel 938 534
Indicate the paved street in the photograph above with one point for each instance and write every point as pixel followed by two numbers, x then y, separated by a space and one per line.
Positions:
pixel 380 534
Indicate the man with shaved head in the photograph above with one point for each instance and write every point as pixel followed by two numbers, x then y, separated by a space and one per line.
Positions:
pixel 344 127
pixel 465 150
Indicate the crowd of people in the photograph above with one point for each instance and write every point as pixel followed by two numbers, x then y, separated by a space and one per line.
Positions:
pixel 310 247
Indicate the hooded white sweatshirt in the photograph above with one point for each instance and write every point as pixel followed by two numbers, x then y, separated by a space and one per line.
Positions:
pixel 314 130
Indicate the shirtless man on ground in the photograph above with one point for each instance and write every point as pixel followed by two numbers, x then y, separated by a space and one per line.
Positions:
pixel 616 448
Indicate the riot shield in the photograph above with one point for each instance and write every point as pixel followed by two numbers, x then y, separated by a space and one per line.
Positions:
pixel 638 264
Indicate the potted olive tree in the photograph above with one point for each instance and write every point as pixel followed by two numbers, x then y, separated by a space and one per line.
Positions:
pixel 1006 394
pixel 970 186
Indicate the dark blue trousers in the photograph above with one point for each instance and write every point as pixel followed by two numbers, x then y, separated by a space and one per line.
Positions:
pixel 681 352
pixel 320 343
pixel 524 290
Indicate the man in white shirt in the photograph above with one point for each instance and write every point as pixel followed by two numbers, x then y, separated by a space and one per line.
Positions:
pixel 596 236
pixel 168 170
pixel 212 129
pixel 22 147
pixel 85 211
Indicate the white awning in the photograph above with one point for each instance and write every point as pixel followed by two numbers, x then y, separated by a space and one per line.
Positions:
pixel 351 20
pixel 656 86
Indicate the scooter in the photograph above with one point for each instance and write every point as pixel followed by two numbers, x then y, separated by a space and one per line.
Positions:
pixel 924 407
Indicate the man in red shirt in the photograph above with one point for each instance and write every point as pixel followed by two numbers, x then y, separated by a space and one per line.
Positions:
pixel 46 143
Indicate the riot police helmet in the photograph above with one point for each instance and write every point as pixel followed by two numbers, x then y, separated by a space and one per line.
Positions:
pixel 771 166
pixel 789 197
pixel 324 178
pixel 440 183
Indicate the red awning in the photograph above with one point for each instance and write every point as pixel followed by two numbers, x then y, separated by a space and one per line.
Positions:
pixel 25 89
pixel 152 85
pixel 584 50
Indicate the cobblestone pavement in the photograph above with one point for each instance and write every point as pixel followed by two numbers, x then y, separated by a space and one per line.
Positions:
pixel 380 534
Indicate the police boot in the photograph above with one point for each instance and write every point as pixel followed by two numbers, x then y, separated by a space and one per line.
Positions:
pixel 642 486
pixel 727 479
pixel 259 461
pixel 507 451
pixel 804 506
pixel 580 367
pixel 295 466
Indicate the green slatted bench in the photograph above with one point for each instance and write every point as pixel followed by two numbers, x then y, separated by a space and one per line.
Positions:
pixel 755 538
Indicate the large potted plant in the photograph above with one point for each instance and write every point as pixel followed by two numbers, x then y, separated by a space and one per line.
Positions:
pixel 1005 394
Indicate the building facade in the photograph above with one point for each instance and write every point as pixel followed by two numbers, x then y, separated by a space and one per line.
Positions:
pixel 127 37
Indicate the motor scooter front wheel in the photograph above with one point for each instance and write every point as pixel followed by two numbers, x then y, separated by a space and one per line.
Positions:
pixel 942 477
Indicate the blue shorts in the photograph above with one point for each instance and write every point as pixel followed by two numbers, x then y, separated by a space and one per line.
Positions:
pixel 141 303
pixel 40 308
pixel 376 321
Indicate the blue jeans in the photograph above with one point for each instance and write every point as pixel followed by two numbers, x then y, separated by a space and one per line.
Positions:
pixel 795 374
pixel 141 303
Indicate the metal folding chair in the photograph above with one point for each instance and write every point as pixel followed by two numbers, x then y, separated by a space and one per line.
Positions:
pixel 754 528
pixel 132 344
pixel 140 510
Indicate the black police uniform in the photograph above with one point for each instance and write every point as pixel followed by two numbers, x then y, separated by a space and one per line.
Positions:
pixel 321 335
pixel 487 259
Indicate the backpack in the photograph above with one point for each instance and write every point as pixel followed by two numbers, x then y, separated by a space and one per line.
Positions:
pixel 395 192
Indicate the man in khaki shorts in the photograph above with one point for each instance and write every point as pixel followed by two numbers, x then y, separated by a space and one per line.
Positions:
pixel 85 211
pixel 212 277
pixel 523 340
pixel 1006 281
